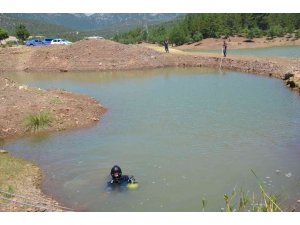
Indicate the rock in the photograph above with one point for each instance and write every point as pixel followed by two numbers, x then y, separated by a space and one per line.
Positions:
pixel 152 57
pixel 63 70
pixel 95 119
pixel 296 80
pixel 290 83
pixel 100 64
pixel 3 151
pixel 23 87
pixel 287 75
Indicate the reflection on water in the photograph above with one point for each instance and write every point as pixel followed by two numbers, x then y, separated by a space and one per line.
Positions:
pixel 97 77
pixel 185 134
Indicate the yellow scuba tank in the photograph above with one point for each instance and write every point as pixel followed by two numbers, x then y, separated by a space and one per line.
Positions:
pixel 132 186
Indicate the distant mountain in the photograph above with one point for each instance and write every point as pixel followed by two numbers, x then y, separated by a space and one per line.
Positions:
pixel 97 21
pixel 35 27
pixel 76 26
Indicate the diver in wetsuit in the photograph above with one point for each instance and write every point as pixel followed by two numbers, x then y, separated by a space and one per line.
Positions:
pixel 118 179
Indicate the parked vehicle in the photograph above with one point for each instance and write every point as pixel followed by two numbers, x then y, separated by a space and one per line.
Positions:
pixel 59 41
pixel 34 42
pixel 47 41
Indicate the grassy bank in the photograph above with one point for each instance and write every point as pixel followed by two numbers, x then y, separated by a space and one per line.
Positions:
pixel 20 191
pixel 15 176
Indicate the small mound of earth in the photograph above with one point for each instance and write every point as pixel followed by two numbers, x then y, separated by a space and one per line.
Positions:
pixel 66 109
pixel 91 55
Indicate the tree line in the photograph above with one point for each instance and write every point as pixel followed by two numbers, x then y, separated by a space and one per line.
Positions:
pixel 195 27
pixel 21 33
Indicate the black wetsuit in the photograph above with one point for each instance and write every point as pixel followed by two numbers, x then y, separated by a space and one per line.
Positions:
pixel 121 183
pixel 122 180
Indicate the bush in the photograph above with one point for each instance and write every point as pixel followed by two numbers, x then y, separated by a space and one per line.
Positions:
pixel 3 34
pixel 34 122
pixel 298 34
pixel 21 32
pixel 257 32
pixel 275 31
pixel 177 36
pixel 198 36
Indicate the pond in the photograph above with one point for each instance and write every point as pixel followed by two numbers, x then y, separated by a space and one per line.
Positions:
pixel 185 134
pixel 286 51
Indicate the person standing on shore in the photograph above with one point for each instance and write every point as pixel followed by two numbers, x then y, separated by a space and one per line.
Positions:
pixel 224 49
pixel 166 43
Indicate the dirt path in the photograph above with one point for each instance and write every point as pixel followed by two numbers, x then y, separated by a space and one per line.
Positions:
pixel 239 43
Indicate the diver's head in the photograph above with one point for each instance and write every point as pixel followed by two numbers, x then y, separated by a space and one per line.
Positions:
pixel 116 172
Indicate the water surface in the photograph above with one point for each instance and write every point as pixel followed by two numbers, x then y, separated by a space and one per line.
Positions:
pixel 185 134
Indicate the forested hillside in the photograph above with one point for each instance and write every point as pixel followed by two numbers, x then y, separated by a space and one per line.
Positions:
pixel 36 28
pixel 194 27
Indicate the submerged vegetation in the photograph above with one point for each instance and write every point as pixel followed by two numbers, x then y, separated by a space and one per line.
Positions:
pixel 34 122
pixel 194 27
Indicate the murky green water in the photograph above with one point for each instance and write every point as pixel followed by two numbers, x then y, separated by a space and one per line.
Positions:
pixel 185 134
pixel 287 51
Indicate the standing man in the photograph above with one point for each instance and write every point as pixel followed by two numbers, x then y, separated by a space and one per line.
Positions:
pixel 166 43
pixel 224 49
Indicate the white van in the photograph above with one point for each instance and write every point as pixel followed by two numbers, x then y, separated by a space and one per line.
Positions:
pixel 59 41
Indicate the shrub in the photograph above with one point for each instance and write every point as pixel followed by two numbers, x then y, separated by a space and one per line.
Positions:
pixel 3 34
pixel 36 121
pixel 198 36
pixel 275 31
pixel 21 32
pixel 298 34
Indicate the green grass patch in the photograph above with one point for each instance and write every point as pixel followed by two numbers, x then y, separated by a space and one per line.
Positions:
pixel 56 101
pixel 34 122
pixel 9 192
pixel 12 172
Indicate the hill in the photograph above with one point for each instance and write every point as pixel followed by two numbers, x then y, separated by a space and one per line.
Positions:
pixel 35 27
pixel 97 21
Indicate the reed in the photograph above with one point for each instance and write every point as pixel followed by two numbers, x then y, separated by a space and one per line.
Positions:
pixel 242 201
pixel 34 122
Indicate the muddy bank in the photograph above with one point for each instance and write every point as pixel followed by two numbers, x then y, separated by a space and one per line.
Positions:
pixel 66 110
pixel 20 187
pixel 104 55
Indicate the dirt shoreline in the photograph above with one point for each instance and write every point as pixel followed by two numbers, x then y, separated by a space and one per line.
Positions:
pixel 21 181
pixel 105 55
pixel 66 110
